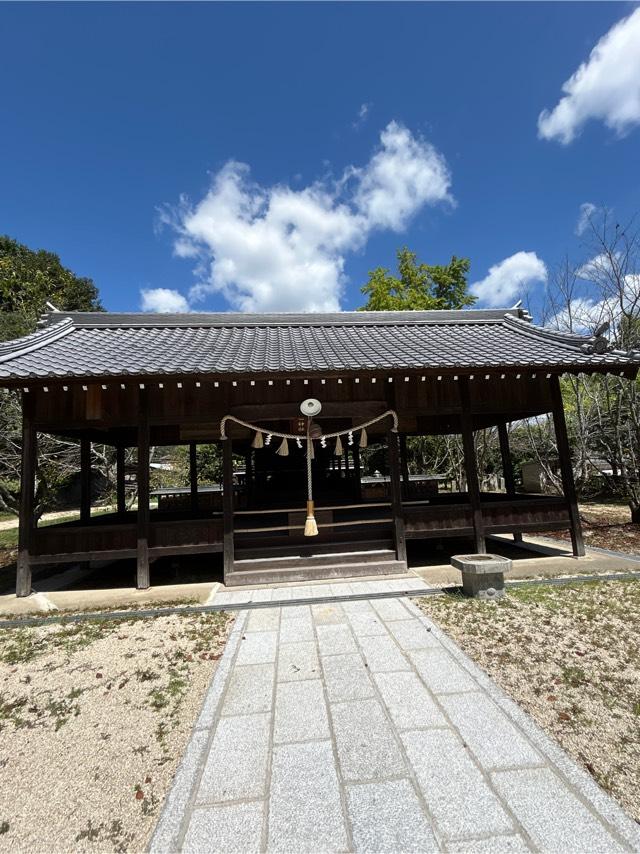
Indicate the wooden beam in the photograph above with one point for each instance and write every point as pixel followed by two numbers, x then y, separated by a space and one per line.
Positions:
pixel 120 481
pixel 566 468
pixel 193 475
pixel 507 467
pixel 227 505
pixel 85 480
pixel 26 524
pixel 471 465
pixel 142 572
pixel 396 496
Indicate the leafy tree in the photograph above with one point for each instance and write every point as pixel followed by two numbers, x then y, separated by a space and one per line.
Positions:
pixel 208 465
pixel 28 279
pixel 418 286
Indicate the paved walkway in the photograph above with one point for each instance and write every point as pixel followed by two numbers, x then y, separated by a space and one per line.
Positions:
pixel 360 726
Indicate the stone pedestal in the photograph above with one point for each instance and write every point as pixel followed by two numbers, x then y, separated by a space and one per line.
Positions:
pixel 482 575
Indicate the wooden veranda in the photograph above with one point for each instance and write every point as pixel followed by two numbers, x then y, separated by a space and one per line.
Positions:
pixel 149 380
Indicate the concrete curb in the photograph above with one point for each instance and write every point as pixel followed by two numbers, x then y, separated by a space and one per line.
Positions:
pixel 165 838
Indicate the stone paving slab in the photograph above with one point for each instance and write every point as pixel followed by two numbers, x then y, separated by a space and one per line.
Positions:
pixel 236 828
pixel 301 714
pixel 388 817
pixel 305 807
pixel 361 726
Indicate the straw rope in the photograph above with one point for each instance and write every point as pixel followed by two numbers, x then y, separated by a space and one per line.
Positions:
pixel 390 413
pixel 310 528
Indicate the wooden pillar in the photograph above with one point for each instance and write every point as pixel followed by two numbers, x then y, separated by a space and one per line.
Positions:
pixel 471 465
pixel 26 524
pixel 357 472
pixel 507 467
pixel 142 575
pixel 193 476
pixel 396 495
pixel 404 463
pixel 121 501
pixel 85 481
pixel 248 476
pixel 566 468
pixel 227 505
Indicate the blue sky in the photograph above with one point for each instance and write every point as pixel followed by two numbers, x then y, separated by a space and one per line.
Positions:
pixel 309 141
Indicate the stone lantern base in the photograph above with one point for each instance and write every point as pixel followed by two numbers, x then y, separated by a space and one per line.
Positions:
pixel 482 575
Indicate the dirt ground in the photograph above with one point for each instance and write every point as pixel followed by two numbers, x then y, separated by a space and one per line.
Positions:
pixel 570 656
pixel 94 718
pixel 607 526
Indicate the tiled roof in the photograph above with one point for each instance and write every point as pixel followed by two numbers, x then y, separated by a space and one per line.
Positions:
pixel 102 344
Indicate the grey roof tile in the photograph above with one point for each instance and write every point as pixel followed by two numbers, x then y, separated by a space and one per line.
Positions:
pixel 103 344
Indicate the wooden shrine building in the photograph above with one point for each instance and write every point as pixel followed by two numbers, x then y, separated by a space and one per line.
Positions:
pixel 144 380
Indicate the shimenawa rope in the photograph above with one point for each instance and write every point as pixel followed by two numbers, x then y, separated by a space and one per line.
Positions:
pixel 310 525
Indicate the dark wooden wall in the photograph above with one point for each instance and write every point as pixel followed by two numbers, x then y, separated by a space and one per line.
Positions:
pixel 183 411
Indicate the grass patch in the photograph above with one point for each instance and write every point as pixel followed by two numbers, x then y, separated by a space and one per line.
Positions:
pixel 9 539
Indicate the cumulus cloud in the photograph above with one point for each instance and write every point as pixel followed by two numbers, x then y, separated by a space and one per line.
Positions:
pixel 587 210
pixel 405 174
pixel 509 279
pixel 276 248
pixel 597 269
pixel 583 315
pixel 162 300
pixel 605 87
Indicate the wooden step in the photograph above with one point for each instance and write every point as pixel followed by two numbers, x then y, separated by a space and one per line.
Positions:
pixel 303 572
pixel 307 549
pixel 295 560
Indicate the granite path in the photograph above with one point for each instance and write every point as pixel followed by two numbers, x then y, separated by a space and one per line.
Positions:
pixel 361 726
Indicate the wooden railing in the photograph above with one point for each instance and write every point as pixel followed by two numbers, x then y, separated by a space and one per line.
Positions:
pixel 500 514
pixel 108 537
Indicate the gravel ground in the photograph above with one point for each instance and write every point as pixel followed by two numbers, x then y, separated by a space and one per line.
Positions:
pixel 93 721
pixel 570 656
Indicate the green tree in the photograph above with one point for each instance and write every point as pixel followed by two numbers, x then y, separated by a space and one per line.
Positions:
pixel 29 279
pixel 418 286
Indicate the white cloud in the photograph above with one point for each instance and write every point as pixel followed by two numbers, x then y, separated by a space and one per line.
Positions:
pixel 363 113
pixel 582 316
pixel 605 87
pixel 403 176
pixel 163 300
pixel 587 210
pixel 509 278
pixel 596 269
pixel 277 248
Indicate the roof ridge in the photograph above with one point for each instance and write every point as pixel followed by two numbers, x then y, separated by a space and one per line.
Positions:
pixel 35 340
pixel 570 339
pixel 289 319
